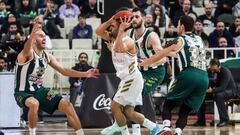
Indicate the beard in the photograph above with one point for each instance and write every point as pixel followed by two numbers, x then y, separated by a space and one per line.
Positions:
pixel 137 26
pixel 83 62
pixel 208 13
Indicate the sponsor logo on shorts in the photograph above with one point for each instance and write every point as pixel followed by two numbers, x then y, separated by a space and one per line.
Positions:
pixel 51 94
pixel 101 103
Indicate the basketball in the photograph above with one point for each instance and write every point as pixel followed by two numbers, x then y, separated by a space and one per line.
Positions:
pixel 122 14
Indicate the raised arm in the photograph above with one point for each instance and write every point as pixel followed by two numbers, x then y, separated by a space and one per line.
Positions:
pixel 26 53
pixel 122 42
pixel 69 72
pixel 102 29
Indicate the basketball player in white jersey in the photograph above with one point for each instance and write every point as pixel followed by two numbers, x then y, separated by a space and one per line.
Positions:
pixel 29 92
pixel 129 94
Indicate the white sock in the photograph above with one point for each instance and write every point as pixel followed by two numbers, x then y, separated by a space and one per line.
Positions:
pixel 115 124
pixel 178 131
pixel 136 129
pixel 79 132
pixel 32 131
pixel 124 130
pixel 166 123
pixel 148 124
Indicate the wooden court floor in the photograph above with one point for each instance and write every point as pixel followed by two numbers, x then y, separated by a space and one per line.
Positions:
pixel 62 129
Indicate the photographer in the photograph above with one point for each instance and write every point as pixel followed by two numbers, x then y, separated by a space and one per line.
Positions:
pixel 12 43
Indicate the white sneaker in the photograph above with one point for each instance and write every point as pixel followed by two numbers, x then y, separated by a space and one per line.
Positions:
pixel 110 130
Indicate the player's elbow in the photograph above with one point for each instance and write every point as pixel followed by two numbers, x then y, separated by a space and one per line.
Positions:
pixel 98 31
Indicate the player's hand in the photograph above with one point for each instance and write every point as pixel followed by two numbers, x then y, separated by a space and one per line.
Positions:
pixel 109 44
pixel 125 23
pixel 93 72
pixel 141 63
pixel 36 28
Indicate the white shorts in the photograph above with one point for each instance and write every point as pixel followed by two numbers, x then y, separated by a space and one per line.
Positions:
pixel 130 90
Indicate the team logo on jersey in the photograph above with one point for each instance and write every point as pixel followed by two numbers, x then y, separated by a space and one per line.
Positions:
pixel 101 103
pixel 36 79
pixel 40 71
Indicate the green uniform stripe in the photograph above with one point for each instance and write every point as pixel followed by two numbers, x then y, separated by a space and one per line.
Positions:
pixel 182 60
pixel 188 55
pixel 29 71
pixel 145 46
pixel 18 77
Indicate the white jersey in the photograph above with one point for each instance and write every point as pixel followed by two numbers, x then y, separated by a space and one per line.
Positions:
pixel 130 88
pixel 124 63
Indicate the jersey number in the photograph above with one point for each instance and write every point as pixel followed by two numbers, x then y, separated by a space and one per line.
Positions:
pixel 198 57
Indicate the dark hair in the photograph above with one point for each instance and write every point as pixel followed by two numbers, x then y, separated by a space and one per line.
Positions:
pixel 81 15
pixel 214 61
pixel 198 20
pixel 122 9
pixel 51 1
pixel 2 58
pixel 29 7
pixel 136 9
pixel 187 22
pixel 82 54
pixel 162 19
pixel 12 23
pixel 3 1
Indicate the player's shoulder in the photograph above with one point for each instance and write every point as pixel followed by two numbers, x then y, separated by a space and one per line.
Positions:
pixel 127 39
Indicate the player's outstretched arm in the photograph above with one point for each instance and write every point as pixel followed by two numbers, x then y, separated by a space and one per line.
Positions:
pixel 174 48
pixel 156 57
pixel 72 73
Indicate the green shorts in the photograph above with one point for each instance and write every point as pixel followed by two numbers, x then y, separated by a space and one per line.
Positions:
pixel 153 78
pixel 189 87
pixel 48 100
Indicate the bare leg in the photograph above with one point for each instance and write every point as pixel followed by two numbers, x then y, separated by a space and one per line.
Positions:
pixel 117 111
pixel 139 118
pixel 33 105
pixel 133 115
pixel 72 117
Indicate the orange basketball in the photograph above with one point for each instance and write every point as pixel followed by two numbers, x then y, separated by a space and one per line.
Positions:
pixel 123 14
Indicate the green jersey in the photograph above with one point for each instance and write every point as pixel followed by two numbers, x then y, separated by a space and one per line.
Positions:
pixel 142 44
pixel 192 54
pixel 29 76
pixel 153 75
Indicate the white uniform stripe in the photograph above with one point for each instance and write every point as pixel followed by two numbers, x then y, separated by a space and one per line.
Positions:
pixel 23 77
pixel 184 57
pixel 180 63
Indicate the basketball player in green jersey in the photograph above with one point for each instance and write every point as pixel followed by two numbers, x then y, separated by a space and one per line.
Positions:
pixel 29 92
pixel 148 43
pixel 189 86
